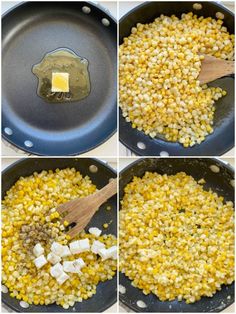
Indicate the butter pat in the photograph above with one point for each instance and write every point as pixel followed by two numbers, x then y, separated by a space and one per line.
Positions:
pixel 60 82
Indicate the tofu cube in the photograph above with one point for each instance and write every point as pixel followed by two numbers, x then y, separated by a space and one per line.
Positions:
pixel 38 250
pixel 75 247
pixel 96 246
pixel 56 270
pixel 62 278
pixel 104 254
pixel 80 262
pixel 40 261
pixel 66 251
pixel 60 82
pixel 112 252
pixel 73 266
pixel 79 246
pixel 53 258
pixel 60 250
pixel 84 245
pixel 95 231
pixel 57 248
pixel 68 266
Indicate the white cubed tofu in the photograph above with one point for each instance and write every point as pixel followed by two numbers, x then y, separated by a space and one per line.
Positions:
pixel 62 278
pixel 60 82
pixel 104 254
pixel 40 261
pixel 53 258
pixel 57 248
pixel 80 262
pixel 60 250
pixel 38 250
pixel 73 266
pixel 95 231
pixel 68 266
pixel 56 270
pixel 112 252
pixel 75 247
pixel 97 245
pixel 84 245
pixel 79 246
pixel 66 251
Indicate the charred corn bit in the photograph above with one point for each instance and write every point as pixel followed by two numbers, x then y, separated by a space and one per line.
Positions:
pixel 159 66
pixel 28 218
pixel 176 239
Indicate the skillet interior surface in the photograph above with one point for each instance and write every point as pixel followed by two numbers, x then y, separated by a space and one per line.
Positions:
pixel 29 31
pixel 106 291
pixel 224 114
pixel 221 183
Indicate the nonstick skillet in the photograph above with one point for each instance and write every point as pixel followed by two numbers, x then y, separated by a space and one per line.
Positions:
pixel 221 183
pixel 100 173
pixel 222 139
pixel 29 31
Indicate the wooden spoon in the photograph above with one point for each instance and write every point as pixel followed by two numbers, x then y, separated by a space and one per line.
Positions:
pixel 213 68
pixel 81 210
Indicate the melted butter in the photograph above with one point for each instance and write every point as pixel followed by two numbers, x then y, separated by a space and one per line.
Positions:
pixel 62 61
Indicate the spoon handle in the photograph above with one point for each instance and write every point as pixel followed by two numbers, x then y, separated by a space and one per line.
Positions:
pixel 106 192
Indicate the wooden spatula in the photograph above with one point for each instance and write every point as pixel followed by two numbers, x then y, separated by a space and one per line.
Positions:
pixel 213 68
pixel 81 210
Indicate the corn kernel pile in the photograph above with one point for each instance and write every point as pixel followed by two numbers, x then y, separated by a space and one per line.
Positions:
pixel 29 217
pixel 176 239
pixel 159 66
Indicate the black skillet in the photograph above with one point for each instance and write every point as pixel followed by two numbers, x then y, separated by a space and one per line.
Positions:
pixel 221 183
pixel 222 139
pixel 106 291
pixel 29 31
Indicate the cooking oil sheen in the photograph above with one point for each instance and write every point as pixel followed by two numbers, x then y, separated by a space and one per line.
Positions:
pixel 69 64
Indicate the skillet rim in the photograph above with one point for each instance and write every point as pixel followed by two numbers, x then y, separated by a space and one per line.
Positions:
pixel 144 4
pixel 219 160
